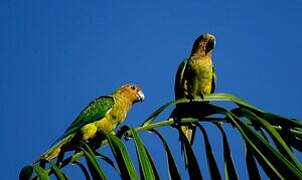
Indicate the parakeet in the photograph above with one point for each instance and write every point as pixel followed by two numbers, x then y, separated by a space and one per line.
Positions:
pixel 196 76
pixel 101 116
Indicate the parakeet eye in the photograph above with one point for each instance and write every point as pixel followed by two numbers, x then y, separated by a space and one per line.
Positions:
pixel 133 87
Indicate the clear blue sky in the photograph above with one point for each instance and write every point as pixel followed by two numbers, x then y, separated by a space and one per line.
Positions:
pixel 56 56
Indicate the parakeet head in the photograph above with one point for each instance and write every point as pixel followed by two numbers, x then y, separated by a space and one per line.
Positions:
pixel 132 92
pixel 204 44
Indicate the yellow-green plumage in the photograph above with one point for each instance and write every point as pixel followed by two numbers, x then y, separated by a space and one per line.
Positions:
pixel 198 76
pixel 195 75
pixel 100 117
pixel 115 115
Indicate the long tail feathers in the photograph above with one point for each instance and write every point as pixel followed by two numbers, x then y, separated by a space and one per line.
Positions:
pixel 189 132
pixel 54 150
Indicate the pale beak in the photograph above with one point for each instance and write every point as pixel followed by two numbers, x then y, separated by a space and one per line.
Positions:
pixel 140 96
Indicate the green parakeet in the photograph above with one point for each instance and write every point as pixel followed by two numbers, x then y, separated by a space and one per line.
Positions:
pixel 195 76
pixel 101 116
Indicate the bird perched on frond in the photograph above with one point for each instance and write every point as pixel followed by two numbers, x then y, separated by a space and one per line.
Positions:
pixel 195 77
pixel 101 116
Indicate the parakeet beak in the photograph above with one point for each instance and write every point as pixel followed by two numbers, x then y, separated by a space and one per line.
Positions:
pixel 140 96
pixel 210 45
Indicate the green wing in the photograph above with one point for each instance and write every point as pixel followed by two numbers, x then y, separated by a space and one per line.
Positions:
pixel 178 85
pixel 214 79
pixel 96 110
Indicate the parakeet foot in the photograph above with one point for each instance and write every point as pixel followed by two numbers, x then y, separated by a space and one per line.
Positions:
pixel 176 122
pixel 190 97
pixel 201 96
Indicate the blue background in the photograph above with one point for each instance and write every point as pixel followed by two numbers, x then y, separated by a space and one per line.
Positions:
pixel 56 56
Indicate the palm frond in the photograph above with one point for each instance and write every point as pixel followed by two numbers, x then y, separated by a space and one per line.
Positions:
pixel 269 143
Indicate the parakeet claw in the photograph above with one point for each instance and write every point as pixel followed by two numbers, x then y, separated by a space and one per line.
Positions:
pixel 201 96
pixel 122 131
pixel 176 122
pixel 190 97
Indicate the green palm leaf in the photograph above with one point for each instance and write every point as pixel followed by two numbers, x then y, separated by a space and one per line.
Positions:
pixel 269 140
pixel 122 157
